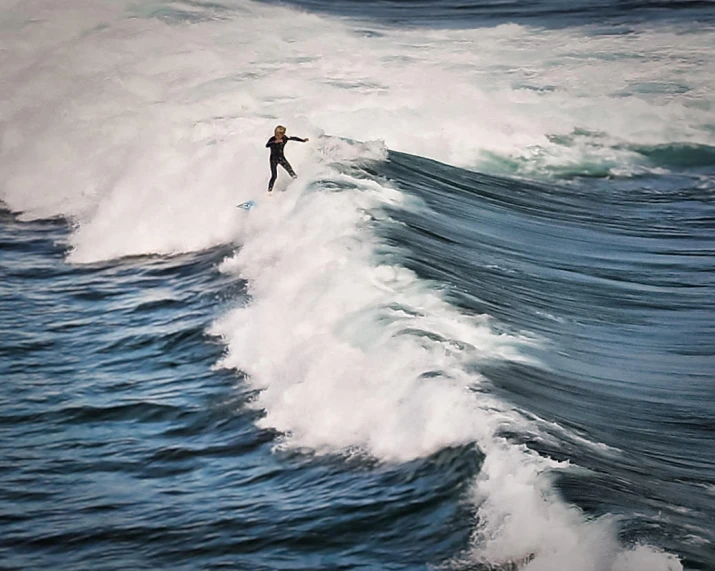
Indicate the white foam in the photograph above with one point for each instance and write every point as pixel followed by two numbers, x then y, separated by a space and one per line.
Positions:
pixel 328 328
pixel 149 133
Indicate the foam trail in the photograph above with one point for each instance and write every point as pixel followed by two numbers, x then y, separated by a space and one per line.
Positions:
pixel 311 276
pixel 350 352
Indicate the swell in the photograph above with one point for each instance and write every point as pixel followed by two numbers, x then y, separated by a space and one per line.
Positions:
pixel 615 281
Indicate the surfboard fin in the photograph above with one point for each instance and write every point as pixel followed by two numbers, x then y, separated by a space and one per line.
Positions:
pixel 247 205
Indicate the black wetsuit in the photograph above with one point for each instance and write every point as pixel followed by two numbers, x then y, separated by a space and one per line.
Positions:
pixel 277 158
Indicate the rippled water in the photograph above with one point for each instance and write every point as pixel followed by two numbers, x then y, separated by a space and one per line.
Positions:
pixel 125 448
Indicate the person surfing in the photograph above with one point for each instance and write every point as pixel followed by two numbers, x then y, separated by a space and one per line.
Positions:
pixel 276 144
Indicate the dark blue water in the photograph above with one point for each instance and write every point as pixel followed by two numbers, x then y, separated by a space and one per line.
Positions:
pixel 126 446
pixel 620 281
pixel 548 13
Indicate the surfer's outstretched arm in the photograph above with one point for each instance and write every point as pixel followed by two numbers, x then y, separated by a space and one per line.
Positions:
pixel 298 139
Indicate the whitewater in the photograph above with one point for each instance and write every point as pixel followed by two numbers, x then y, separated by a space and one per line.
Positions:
pixel 143 125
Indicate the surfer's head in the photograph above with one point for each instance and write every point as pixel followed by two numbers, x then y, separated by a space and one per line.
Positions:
pixel 279 131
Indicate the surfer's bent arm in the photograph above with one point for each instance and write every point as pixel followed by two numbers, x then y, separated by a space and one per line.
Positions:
pixel 271 141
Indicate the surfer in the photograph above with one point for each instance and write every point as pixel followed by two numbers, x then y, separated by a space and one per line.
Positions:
pixel 276 144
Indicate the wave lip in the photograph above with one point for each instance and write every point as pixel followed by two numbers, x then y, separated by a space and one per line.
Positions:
pixel 678 155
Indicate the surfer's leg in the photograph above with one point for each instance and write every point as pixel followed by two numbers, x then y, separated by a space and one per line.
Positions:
pixel 274 175
pixel 286 165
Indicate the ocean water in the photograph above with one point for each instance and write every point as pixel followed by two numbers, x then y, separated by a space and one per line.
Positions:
pixel 477 333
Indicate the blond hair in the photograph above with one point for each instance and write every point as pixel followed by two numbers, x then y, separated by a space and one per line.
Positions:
pixel 280 128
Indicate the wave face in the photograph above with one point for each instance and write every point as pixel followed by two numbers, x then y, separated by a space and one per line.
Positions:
pixel 396 362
